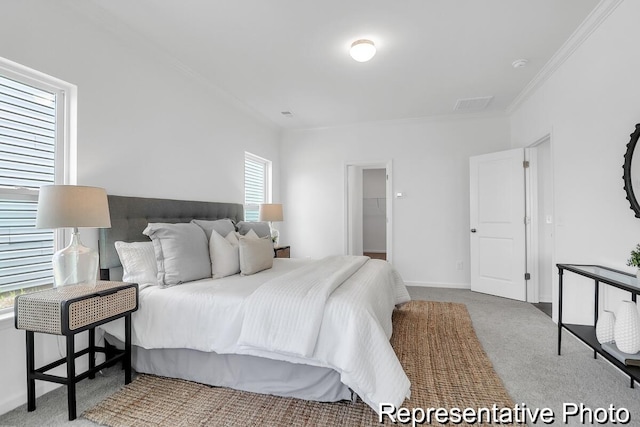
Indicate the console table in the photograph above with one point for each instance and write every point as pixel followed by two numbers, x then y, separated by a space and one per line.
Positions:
pixel 587 333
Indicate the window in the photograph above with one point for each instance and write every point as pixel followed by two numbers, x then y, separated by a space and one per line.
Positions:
pixel 257 185
pixel 32 153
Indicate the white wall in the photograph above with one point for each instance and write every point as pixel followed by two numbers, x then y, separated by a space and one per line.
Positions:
pixel 374 210
pixel 590 105
pixel 430 164
pixel 145 128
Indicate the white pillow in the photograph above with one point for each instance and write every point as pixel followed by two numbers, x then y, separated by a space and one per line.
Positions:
pixel 256 254
pixel 251 234
pixel 181 250
pixel 138 263
pixel 225 258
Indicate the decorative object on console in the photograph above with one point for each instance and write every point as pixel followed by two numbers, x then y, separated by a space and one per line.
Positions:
pixel 634 260
pixel 626 331
pixel 272 212
pixel 604 327
pixel 73 206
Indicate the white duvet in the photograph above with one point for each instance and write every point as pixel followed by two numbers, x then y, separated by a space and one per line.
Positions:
pixel 352 336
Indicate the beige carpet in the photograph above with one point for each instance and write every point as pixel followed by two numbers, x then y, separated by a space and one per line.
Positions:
pixel 435 342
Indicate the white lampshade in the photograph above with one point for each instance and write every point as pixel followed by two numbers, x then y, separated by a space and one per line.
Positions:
pixel 271 212
pixel 72 206
pixel 362 50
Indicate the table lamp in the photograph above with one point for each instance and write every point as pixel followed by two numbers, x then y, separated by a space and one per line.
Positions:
pixel 271 212
pixel 73 206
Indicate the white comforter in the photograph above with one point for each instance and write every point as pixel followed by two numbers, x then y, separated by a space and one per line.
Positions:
pixel 285 314
pixel 353 335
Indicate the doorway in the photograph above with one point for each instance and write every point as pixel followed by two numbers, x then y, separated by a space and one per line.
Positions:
pixel 374 213
pixel 368 210
pixel 540 227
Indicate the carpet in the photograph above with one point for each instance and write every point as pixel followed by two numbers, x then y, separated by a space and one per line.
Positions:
pixel 434 341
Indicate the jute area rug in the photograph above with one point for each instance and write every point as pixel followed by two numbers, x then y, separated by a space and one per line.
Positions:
pixel 434 341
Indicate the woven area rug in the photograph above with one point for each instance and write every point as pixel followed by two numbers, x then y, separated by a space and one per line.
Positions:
pixel 434 341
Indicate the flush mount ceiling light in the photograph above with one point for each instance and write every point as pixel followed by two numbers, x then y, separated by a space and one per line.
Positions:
pixel 362 50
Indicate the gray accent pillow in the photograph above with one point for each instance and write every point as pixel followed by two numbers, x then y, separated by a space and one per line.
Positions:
pixel 182 252
pixel 261 228
pixel 222 226
pixel 255 254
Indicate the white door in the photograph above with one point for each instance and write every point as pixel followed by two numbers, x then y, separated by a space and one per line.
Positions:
pixel 497 226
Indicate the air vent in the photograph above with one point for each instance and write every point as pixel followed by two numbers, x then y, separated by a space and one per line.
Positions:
pixel 473 103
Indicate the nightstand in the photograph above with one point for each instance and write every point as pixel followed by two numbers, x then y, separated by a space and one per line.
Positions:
pixel 282 252
pixel 66 311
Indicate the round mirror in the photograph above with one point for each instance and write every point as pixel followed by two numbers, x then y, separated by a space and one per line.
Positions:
pixel 631 169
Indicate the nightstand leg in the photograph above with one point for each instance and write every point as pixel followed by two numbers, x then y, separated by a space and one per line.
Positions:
pixel 71 377
pixel 31 383
pixel 127 348
pixel 92 352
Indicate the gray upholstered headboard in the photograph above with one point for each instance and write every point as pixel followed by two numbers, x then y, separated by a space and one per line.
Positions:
pixel 130 216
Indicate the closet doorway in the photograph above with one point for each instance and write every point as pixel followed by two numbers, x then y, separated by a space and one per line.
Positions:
pixel 368 210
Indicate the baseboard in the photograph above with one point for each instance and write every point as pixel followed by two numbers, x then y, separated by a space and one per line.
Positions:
pixel 545 298
pixel 439 285
pixel 21 399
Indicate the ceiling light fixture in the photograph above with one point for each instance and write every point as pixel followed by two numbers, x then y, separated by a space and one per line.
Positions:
pixel 362 50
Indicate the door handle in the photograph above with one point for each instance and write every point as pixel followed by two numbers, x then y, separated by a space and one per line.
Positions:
pixel 473 230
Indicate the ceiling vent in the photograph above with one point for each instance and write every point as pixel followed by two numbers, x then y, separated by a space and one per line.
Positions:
pixel 468 104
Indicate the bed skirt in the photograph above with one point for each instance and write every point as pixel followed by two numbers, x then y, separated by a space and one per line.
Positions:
pixel 241 372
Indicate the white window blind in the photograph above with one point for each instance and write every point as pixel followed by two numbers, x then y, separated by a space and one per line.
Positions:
pixel 28 128
pixel 257 186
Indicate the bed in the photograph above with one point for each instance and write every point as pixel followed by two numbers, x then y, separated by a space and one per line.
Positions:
pixel 261 332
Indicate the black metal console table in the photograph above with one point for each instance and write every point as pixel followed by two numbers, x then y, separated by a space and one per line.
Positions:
pixel 587 333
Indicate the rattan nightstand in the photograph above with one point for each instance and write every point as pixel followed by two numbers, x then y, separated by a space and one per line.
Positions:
pixel 66 311
pixel 282 251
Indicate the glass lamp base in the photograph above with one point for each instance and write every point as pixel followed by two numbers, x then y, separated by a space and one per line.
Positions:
pixel 275 236
pixel 76 264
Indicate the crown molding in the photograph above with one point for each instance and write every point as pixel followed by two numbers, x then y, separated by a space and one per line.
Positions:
pixel 438 118
pixel 597 16
pixel 119 29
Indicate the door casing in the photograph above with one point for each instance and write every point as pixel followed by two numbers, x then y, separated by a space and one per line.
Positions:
pixel 388 165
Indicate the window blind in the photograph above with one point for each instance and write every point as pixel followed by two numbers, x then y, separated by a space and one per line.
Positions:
pixel 256 173
pixel 27 161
